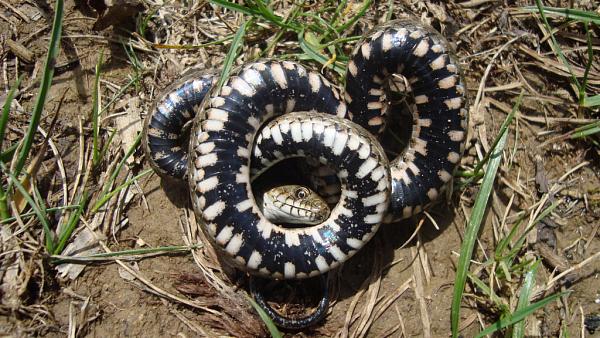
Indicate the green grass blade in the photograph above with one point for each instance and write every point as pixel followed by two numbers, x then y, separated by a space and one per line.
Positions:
pixel 296 10
pixel 518 316
pixel 556 46
pixel 520 267
pixel 313 53
pixel 235 7
pixel 72 222
pixel 45 83
pixel 267 14
pixel 524 294
pixel 489 292
pixel 9 153
pixel 311 50
pixel 338 11
pixel 499 253
pixel 108 143
pixel 6 108
pixel 466 250
pixel 135 62
pixel 48 235
pixel 355 18
pixel 505 241
pixel 521 240
pixel 96 111
pixel 121 91
pixel 145 20
pixel 4 212
pixel 115 173
pixel 503 127
pixel 587 130
pixel 592 101
pixel 329 29
pixel 569 13
pixel 266 319
pixel 390 11
pixel 39 200
pixel 505 272
pixel 198 46
pixel 468 245
pixel 105 198
pixel 30 214
pixel 588 66
pixel 236 45
pixel 342 41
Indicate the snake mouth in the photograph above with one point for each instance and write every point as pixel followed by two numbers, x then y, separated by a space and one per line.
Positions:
pixel 293 213
pixel 294 206
pixel 291 172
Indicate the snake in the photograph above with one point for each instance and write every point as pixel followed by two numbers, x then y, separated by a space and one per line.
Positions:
pixel 268 111
pixel 294 204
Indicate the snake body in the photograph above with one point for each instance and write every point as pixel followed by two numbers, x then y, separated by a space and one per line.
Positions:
pixel 164 143
pixel 220 174
pixel 222 150
pixel 436 144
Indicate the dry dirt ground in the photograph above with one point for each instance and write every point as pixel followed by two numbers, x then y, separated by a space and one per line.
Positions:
pixel 401 283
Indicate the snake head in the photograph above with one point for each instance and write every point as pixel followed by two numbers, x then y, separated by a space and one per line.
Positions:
pixel 294 204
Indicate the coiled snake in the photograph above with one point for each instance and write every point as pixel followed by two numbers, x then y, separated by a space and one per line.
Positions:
pixel 308 118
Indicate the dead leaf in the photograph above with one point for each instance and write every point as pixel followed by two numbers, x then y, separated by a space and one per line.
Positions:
pixel 129 125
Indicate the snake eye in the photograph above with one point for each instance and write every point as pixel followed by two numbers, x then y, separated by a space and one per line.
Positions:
pixel 301 193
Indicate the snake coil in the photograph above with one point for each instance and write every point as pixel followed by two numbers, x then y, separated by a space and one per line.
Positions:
pixel 227 142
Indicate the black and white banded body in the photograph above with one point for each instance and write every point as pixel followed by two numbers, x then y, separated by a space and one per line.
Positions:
pixel 165 142
pixel 219 177
pixel 222 158
pixel 421 173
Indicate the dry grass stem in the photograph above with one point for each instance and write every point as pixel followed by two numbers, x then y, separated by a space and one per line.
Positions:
pixel 419 284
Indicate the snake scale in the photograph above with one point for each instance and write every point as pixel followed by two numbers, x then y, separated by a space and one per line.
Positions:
pixel 269 110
